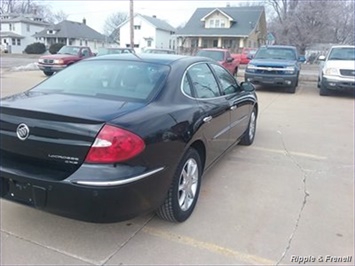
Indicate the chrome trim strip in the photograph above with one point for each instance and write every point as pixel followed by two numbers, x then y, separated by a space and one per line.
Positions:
pixel 118 182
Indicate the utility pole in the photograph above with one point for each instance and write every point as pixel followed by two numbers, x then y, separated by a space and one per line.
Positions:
pixel 131 22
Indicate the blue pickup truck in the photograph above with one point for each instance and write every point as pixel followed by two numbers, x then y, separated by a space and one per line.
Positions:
pixel 276 66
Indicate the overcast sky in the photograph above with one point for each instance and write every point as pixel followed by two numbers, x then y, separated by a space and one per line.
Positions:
pixel 173 11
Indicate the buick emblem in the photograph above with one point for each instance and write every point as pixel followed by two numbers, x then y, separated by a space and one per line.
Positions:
pixel 22 131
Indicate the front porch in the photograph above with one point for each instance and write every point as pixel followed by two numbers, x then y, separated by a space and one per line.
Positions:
pixel 189 45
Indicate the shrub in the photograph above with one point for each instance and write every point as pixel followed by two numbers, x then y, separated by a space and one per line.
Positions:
pixel 35 48
pixel 55 47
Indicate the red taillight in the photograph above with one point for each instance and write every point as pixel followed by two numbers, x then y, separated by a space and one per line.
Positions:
pixel 114 145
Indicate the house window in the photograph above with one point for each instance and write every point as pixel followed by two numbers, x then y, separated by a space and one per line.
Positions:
pixel 223 24
pixel 211 23
pixel 149 43
pixel 81 42
pixel 95 43
pixel 10 27
pixel 18 42
pixel 217 23
pixel 173 44
pixel 215 43
pixel 137 27
pixel 13 41
pixel 28 27
pixel 169 44
pixel 86 42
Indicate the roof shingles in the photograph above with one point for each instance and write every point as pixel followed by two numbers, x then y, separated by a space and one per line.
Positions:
pixel 72 29
pixel 245 19
pixel 158 23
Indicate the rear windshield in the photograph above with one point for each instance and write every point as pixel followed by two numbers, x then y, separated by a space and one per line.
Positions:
pixel 215 55
pixel 112 79
pixel 347 53
pixel 275 53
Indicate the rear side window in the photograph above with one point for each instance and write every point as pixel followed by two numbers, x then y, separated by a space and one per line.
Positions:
pixel 229 84
pixel 203 81
pixel 130 80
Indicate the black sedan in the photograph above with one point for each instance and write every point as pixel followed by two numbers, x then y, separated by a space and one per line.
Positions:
pixel 117 136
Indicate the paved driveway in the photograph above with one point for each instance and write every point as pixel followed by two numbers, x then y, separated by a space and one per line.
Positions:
pixel 287 198
pixel 8 61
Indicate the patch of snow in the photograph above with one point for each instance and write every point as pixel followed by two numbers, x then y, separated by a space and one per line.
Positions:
pixel 31 66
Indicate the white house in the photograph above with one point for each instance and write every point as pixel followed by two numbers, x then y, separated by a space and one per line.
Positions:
pixel 17 30
pixel 149 32
pixel 71 33
pixel 226 27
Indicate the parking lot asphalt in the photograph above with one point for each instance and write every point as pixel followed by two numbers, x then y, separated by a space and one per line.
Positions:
pixel 285 200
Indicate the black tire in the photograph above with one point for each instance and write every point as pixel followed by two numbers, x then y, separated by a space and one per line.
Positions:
pixel 178 206
pixel 249 134
pixel 48 73
pixel 291 89
pixel 318 83
pixel 323 91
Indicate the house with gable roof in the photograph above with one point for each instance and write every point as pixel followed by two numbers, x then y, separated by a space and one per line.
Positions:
pixel 149 32
pixel 226 27
pixel 17 30
pixel 72 33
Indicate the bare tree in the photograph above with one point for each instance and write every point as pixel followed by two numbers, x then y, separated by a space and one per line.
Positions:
pixel 20 6
pixel 113 21
pixel 341 21
pixel 58 16
pixel 32 7
pixel 302 23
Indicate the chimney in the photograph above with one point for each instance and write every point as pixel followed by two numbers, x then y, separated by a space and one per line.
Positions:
pixel 154 16
pixel 84 21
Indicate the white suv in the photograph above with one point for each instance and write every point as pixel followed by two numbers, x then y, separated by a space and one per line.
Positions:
pixel 337 70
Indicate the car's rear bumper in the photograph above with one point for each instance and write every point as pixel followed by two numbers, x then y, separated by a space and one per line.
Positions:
pixel 100 201
pixel 269 79
pixel 51 68
pixel 336 83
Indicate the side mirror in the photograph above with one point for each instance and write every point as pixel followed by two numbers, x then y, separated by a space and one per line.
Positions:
pixel 321 58
pixel 230 59
pixel 302 59
pixel 250 56
pixel 247 86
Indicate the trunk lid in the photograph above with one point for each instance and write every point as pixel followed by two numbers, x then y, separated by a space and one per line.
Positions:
pixel 49 135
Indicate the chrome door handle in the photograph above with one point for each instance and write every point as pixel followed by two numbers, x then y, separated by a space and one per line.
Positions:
pixel 207 119
pixel 233 107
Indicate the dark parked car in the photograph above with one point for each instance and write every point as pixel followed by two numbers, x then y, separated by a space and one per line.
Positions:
pixel 158 51
pixel 105 51
pixel 275 66
pixel 117 136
